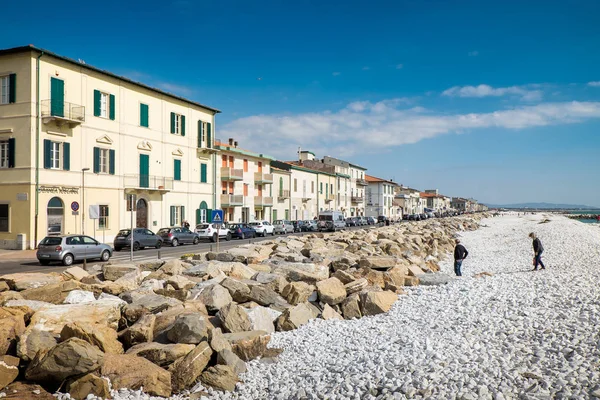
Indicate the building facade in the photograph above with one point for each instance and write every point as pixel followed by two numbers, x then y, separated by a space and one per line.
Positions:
pixel 76 136
pixel 380 197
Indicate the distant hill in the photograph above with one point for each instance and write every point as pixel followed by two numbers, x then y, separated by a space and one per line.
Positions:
pixel 544 206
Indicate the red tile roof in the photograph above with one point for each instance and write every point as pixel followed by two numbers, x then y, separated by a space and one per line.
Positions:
pixel 374 179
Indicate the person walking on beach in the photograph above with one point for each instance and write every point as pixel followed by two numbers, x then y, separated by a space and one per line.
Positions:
pixel 538 249
pixel 460 253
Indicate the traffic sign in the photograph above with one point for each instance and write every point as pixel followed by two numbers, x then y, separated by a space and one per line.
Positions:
pixel 217 216
pixel 75 206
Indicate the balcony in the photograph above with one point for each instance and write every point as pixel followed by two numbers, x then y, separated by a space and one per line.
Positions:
pixel 147 182
pixel 261 178
pixel 62 113
pixel 362 182
pixel 231 174
pixel 260 201
pixel 232 200
pixel 305 197
pixel 329 198
pixel 356 199
pixel 283 195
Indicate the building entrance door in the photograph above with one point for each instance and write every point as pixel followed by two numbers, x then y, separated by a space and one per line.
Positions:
pixel 142 214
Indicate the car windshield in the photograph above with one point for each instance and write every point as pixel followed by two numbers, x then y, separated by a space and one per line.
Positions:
pixel 278 222
pixel 51 241
pixel 254 223
pixel 123 232
pixel 202 226
pixel 325 218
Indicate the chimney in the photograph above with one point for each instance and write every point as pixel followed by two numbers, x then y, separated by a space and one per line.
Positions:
pixel 235 144
pixel 231 141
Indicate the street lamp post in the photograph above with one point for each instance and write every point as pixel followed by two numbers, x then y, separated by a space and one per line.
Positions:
pixel 83 200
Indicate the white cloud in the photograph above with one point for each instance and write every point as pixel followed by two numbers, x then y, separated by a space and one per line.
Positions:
pixel 473 53
pixel 594 84
pixel 175 89
pixel 399 66
pixel 486 91
pixel 373 127
pixel 336 74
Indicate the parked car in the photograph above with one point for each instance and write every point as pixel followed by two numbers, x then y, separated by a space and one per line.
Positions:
pixel 381 219
pixel 283 226
pixel 142 237
pixel 296 225
pixel 362 221
pixel 262 228
pixel 242 231
pixel 178 235
pixel 371 221
pixel 350 221
pixel 70 248
pixel 210 231
pixel 331 221
pixel 309 226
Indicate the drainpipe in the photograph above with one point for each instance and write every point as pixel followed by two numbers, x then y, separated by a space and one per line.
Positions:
pixel 317 195
pixel 289 217
pixel 37 149
pixel 214 162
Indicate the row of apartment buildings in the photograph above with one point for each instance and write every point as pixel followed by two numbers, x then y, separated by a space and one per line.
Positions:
pixel 74 136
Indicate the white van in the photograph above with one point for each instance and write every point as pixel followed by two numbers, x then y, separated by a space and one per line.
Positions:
pixel 331 221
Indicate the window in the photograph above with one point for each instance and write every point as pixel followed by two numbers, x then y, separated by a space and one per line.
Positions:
pixel 8 89
pixel 3 217
pixel 55 155
pixel 203 174
pixel 177 170
pixel 104 105
pixel 295 185
pixel 321 187
pixel 104 161
pixel 144 116
pixel 245 189
pixel 245 165
pixel 201 134
pixel 177 124
pixel 312 187
pixel 103 220
pixel 7 153
pixel 177 215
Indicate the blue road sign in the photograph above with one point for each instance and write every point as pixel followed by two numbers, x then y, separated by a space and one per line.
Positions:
pixel 217 216
pixel 74 206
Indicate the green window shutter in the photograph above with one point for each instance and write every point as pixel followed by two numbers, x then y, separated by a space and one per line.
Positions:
pixel 12 88
pixel 144 115
pixel 47 154
pixel 66 156
pixel 209 215
pixel 197 216
pixel 208 135
pixel 172 216
pixel 11 153
pixel 112 107
pixel 96 160
pixel 182 130
pixel 203 173
pixel 182 213
pixel 199 133
pixel 96 103
pixel 172 122
pixel 177 170
pixel 111 162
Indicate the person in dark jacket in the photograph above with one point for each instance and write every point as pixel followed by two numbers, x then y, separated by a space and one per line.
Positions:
pixel 538 249
pixel 460 253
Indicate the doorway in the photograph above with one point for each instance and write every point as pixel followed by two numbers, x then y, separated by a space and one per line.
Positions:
pixel 141 215
pixel 55 216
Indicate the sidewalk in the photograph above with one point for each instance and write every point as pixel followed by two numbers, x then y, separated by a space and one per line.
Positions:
pixel 9 255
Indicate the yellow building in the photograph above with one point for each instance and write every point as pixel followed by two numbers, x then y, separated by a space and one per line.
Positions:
pixel 74 136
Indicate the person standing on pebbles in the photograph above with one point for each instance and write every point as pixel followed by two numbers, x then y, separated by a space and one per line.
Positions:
pixel 538 249
pixel 460 253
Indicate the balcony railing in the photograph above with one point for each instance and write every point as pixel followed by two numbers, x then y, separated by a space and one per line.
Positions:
pixel 260 201
pixel 362 182
pixel 232 200
pixel 356 199
pixel 259 177
pixel 330 197
pixel 148 182
pixel 284 194
pixel 62 112
pixel 231 174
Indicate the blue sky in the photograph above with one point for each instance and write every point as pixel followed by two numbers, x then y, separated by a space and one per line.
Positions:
pixel 496 100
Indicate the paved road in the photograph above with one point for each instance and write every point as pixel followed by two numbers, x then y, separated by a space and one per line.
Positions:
pixel 29 263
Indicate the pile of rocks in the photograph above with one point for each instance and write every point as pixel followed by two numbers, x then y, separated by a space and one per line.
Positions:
pixel 165 326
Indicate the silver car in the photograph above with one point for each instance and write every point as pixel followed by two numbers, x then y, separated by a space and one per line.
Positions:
pixel 283 226
pixel 70 248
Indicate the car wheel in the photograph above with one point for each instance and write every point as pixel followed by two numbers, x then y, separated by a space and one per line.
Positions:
pixel 272 233
pixel 174 242
pixel 44 262
pixel 196 240
pixel 136 246
pixel 67 260
pixel 242 236
pixel 254 235
pixel 118 248
pixel 228 237
pixel 105 256
pixel 158 244
pixel 214 238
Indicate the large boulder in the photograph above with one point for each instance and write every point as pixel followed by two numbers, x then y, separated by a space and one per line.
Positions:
pixel 162 355
pixel 254 346
pixel 396 275
pixel 265 296
pixel 23 281
pixel 217 340
pixel 435 279
pixel 26 391
pixel 12 326
pixel 36 340
pixel 239 291
pixel 79 297
pixel 214 297
pixel 75 273
pixel 148 304
pixel 228 357
pixel 234 318
pixel 297 292
pixel 133 372
pixel 140 332
pixel 373 303
pixel 415 270
pixel 189 329
pixel 306 272
pixel 378 262
pixel 329 313
pixel 356 286
pixel 351 307
pixel 294 317
pixel 187 370
pixel 261 318
pixel 101 336
pixel 89 384
pixel 54 293
pixel 331 291
pixel 71 357
pixel 114 272
pixel 220 377
pixel 9 370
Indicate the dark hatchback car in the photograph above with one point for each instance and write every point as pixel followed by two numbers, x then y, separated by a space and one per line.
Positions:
pixel 142 237
pixel 178 235
pixel 242 231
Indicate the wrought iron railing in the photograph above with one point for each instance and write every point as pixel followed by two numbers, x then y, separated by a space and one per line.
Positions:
pixel 141 181
pixel 63 109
